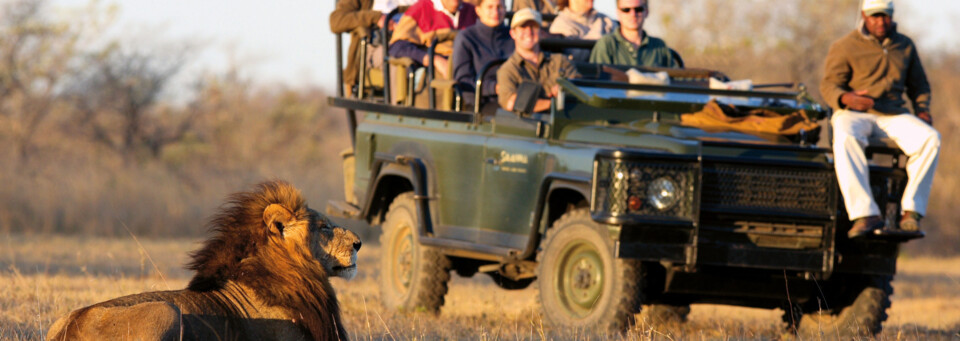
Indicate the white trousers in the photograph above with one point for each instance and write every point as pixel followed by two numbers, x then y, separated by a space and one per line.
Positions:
pixel 918 140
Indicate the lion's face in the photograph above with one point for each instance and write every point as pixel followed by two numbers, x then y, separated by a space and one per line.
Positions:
pixel 333 246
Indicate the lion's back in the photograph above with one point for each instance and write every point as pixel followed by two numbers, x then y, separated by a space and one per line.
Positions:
pixel 177 315
pixel 151 320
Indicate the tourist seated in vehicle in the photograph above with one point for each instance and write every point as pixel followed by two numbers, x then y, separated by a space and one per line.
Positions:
pixel 353 16
pixel 542 6
pixel 478 45
pixel 578 20
pixel 428 19
pixel 866 75
pixel 529 65
pixel 630 44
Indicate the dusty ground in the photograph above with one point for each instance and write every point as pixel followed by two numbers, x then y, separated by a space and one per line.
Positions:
pixel 43 278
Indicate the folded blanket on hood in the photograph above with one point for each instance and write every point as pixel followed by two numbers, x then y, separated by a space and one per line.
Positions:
pixel 717 116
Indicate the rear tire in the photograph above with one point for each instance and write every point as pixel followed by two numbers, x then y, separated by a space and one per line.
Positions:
pixel 581 284
pixel 854 307
pixel 414 277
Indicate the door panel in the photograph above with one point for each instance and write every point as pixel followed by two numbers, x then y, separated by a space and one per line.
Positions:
pixel 513 168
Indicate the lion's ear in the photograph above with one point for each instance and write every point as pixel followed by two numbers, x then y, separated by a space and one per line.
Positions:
pixel 277 217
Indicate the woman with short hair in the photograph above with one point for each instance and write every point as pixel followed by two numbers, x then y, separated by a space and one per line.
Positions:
pixel 478 45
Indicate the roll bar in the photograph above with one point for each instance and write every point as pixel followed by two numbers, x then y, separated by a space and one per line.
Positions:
pixel 479 84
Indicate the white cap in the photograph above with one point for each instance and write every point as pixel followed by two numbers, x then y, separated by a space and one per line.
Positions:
pixel 871 7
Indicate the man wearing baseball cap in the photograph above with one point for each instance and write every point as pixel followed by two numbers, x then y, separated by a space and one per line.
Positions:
pixel 866 74
pixel 528 63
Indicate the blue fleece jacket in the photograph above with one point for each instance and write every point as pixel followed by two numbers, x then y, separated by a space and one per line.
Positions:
pixel 473 48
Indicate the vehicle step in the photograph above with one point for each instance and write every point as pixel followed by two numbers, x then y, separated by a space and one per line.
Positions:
pixel 896 235
pixel 342 209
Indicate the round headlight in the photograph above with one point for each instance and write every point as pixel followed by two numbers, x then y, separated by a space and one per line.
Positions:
pixel 662 193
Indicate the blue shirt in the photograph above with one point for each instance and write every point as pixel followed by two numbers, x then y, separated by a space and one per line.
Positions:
pixel 473 48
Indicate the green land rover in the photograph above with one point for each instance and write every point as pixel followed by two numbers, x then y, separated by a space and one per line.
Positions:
pixel 612 203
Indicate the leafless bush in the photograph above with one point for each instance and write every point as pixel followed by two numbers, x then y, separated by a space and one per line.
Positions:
pixel 34 59
pixel 115 95
pixel 90 145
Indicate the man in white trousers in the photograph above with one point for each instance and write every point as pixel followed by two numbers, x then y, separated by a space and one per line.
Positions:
pixel 866 74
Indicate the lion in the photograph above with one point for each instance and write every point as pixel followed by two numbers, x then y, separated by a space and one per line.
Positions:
pixel 264 275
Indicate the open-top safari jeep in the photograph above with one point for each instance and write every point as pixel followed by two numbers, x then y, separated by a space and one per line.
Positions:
pixel 613 202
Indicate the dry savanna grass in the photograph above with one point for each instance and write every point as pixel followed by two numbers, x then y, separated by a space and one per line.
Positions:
pixel 42 278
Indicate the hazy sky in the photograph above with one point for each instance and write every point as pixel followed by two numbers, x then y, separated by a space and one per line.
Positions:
pixel 290 40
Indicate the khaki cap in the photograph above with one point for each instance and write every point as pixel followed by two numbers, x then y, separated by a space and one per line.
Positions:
pixel 524 15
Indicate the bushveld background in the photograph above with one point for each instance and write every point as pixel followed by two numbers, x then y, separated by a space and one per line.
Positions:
pixel 98 144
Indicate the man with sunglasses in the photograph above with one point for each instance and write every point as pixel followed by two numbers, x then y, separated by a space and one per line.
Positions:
pixel 630 45
pixel 866 74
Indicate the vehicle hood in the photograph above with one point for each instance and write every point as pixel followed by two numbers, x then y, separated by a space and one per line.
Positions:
pixel 668 136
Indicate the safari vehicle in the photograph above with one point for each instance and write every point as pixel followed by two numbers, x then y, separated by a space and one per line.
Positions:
pixel 609 203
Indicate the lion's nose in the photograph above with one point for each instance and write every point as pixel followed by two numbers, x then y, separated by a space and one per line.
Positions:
pixel 356 245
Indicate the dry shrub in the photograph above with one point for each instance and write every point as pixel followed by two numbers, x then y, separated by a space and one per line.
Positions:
pixel 74 185
pixel 92 146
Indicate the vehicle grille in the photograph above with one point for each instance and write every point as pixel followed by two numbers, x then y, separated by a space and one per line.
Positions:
pixel 768 189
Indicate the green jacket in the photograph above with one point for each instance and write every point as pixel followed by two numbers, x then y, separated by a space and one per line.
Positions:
pixel 885 69
pixel 613 48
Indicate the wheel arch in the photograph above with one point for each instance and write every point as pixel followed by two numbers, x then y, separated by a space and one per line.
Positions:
pixel 561 196
pixel 387 187
pixel 557 192
pixel 394 175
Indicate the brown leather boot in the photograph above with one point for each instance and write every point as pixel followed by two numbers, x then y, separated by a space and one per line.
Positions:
pixel 865 226
pixel 910 221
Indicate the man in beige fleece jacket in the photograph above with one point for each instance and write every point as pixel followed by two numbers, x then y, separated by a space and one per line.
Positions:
pixel 866 75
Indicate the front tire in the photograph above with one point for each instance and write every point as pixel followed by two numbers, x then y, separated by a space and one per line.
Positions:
pixel 854 307
pixel 414 277
pixel 581 283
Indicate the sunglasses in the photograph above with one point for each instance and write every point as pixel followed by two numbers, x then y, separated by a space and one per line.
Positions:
pixel 638 9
